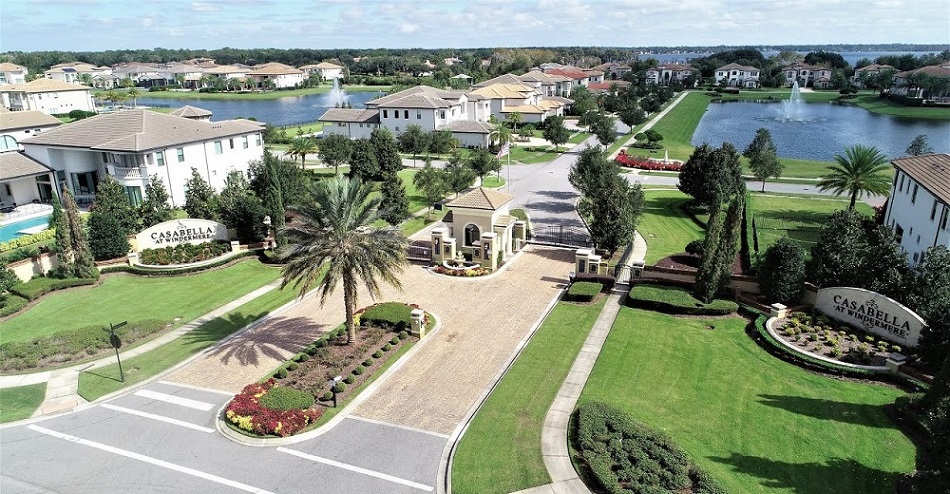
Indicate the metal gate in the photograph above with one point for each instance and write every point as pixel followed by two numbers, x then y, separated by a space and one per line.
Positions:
pixel 561 236
pixel 420 251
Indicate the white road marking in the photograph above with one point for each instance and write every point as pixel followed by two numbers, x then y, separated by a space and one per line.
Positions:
pixel 175 400
pixel 148 459
pixel 160 418
pixel 352 468
pixel 396 426
pixel 199 388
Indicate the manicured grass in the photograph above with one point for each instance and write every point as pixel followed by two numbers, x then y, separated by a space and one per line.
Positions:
pixel 493 181
pixel 797 217
pixel 257 96
pixel 415 224
pixel 676 300
pixel 20 403
pixel 532 154
pixel 664 226
pixel 873 103
pixel 102 381
pixel 307 128
pixel 501 451
pixel 578 138
pixel 125 297
pixel 679 125
pixel 754 422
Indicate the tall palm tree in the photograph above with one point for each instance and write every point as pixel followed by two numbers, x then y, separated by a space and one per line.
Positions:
pixel 331 234
pixel 500 134
pixel 861 171
pixel 302 146
pixel 133 93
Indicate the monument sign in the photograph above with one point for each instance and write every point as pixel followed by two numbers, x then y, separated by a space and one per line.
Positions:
pixel 872 312
pixel 183 231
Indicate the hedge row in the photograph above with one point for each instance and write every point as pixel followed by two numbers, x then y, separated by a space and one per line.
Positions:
pixel 606 280
pixel 68 346
pixel 27 240
pixel 625 456
pixel 11 304
pixel 177 271
pixel 583 291
pixel 674 300
pixel 184 253
pixel 37 287
pixel 395 315
pixel 760 334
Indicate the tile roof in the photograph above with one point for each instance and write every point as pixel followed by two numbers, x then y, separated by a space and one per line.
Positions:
pixel 44 86
pixel 11 67
pixel 274 68
pixel 418 97
pixel 140 130
pixel 538 76
pixel 226 69
pixel 525 109
pixel 11 120
pixel 481 198
pixel 189 111
pixel 932 171
pixel 350 115
pixel 574 74
pixel 467 127
pixel 874 67
pixel 502 79
pixel 558 99
pixel 328 65
pixel 14 164
pixel 506 91
pixel 735 66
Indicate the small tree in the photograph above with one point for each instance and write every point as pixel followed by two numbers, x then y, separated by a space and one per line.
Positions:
pixel 782 272
pixel 154 208
pixel 919 146
pixel 441 142
pixel 482 163
pixel 837 256
pixel 431 182
pixel 602 126
pixel 387 152
pixel 414 141
pixel 302 146
pixel 363 163
pixel 112 200
pixel 82 265
pixel 711 174
pixel 764 165
pixel 653 137
pixel 335 150
pixel 760 143
pixel 555 132
pixel 201 201
pixel 394 204
pixel 107 240
pixel 458 176
pixel 7 277
pixel 632 116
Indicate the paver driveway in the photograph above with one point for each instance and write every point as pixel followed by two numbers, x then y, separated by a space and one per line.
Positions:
pixel 483 322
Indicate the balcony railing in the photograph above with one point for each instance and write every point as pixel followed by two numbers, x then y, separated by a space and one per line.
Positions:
pixel 122 173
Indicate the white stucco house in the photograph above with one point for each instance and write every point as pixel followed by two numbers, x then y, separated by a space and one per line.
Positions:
pixel 11 73
pixel 328 71
pixel 918 208
pixel 735 75
pixel 48 96
pixel 133 145
pixel 668 72
pixel 350 122
pixel 72 72
pixel 282 76
pixel 862 74
pixel 807 75
pixel 23 180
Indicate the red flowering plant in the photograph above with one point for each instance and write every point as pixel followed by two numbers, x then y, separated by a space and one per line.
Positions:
pixel 632 161
pixel 246 412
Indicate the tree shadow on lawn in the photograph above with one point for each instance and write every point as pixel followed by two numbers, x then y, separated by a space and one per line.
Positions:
pixel 273 338
pixel 832 477
pixel 796 217
pixel 851 413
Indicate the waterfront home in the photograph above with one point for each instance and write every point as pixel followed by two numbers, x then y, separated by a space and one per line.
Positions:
pixel 185 74
pixel 863 74
pixel 11 73
pixel 350 122
pixel 668 72
pixel 23 180
pixel 48 96
pixel 914 83
pixel 133 145
pixel 328 71
pixel 918 206
pixel 807 75
pixel 276 75
pixel 614 70
pixel 192 112
pixel 75 72
pixel 735 75
pixel 550 84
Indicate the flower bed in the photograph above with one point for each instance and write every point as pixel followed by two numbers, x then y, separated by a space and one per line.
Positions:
pixel 466 272
pixel 821 335
pixel 248 413
pixel 632 161
pixel 184 253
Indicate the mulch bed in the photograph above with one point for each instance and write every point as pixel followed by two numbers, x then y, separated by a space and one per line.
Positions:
pixel 690 262
pixel 821 342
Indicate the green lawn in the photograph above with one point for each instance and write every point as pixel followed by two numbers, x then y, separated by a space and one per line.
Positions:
pixel 532 154
pixel 869 100
pixel 501 451
pixel 664 226
pixel 126 297
pixel 578 138
pixel 493 181
pixel 102 381
pixel 798 217
pixel 754 422
pixel 20 403
pixel 323 89
pixel 307 128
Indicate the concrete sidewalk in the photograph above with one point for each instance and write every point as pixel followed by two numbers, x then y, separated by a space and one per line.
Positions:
pixel 653 121
pixel 62 389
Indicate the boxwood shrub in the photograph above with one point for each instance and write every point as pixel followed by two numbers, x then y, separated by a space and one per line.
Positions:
pixel 624 456
pixel 674 300
pixel 124 268
pixel 284 398
pixel 583 291
pixel 184 253
pixel 394 315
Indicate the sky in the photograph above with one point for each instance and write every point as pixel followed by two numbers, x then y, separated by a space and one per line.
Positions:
pixel 94 25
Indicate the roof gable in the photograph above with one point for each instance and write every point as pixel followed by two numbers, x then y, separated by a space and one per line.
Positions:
pixel 481 198
pixel 932 171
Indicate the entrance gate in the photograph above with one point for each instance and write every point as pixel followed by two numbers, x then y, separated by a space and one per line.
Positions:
pixel 561 236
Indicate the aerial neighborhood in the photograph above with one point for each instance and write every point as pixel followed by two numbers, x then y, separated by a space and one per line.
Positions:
pixel 476 271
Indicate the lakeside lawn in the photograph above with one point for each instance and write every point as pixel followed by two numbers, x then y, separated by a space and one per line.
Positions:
pixel 266 95
pixel 754 422
pixel 501 451
pixel 123 297
pixel 19 403
pixel 664 226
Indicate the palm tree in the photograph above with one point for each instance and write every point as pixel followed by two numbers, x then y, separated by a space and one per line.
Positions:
pixel 302 146
pixel 331 241
pixel 501 133
pixel 861 170
pixel 133 93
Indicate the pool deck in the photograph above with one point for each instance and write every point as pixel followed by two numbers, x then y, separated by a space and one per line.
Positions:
pixel 25 212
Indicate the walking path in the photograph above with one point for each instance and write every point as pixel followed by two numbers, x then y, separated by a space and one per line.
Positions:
pixel 63 384
pixel 653 121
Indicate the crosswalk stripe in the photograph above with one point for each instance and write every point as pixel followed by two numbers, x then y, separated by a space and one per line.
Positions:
pixel 160 418
pixel 175 400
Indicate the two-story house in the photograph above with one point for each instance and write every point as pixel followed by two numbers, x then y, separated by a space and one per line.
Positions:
pixel 863 74
pixel 48 96
pixel 278 75
pixel 614 70
pixel 918 208
pixel 328 71
pixel 76 72
pixel 23 180
pixel 735 75
pixel 11 73
pixel 668 72
pixel 807 75
pixel 133 145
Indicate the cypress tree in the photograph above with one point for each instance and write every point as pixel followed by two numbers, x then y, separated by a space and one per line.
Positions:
pixel 394 204
pixel 82 265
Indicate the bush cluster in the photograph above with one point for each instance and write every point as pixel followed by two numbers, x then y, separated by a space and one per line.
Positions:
pixel 176 271
pixel 464 273
pixel 69 345
pixel 284 398
pixel 674 300
pixel 583 291
pixel 633 161
pixel 11 304
pixel 37 287
pixel 606 280
pixel 184 253
pixel 627 457
pixel 247 413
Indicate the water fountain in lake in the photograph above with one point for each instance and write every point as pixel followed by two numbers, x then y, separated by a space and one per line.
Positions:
pixel 791 108
pixel 337 96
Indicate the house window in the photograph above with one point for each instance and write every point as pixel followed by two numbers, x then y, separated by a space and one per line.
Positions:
pixel 160 158
pixel 442 114
pixel 418 114
pixel 385 113
pixel 933 211
pixel 899 233
pixel 218 148
pixel 901 187
pixel 135 195
pixel 913 196
pixel 244 142
pixel 257 140
pixel 231 143
pixel 181 154
pixel 105 157
pixel 405 114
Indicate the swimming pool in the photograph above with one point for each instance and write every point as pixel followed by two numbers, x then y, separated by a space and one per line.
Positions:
pixel 9 232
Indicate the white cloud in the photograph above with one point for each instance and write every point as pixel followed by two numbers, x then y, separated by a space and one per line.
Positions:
pixel 204 7
pixel 408 28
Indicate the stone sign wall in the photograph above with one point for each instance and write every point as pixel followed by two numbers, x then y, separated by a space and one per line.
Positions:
pixel 184 231
pixel 873 312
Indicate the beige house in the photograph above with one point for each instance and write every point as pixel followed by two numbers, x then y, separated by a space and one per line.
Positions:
pixel 480 227
pixel 328 71
pixel 48 96
pixel 11 73
pixel 73 72
pixel 282 76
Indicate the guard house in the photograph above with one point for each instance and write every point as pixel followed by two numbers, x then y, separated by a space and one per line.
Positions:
pixel 479 227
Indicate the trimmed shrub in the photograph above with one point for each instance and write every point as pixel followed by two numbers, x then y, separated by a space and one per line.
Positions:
pixel 387 347
pixel 27 240
pixel 583 291
pixel 184 253
pixel 604 279
pixel 782 272
pixel 349 379
pixel 394 340
pixel 326 396
pixel 303 357
pixel 359 370
pixel 11 304
pixel 403 335
pixel 394 315
pixel 674 300
pixel 284 398
pixel 293 366
pixel 368 363
pixel 626 456
pixel 339 387
pixel 178 271
pixel 695 247
pixel 378 354
pixel 281 373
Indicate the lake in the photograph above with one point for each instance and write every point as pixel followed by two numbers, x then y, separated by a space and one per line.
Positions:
pixel 851 57
pixel 291 110
pixel 820 131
